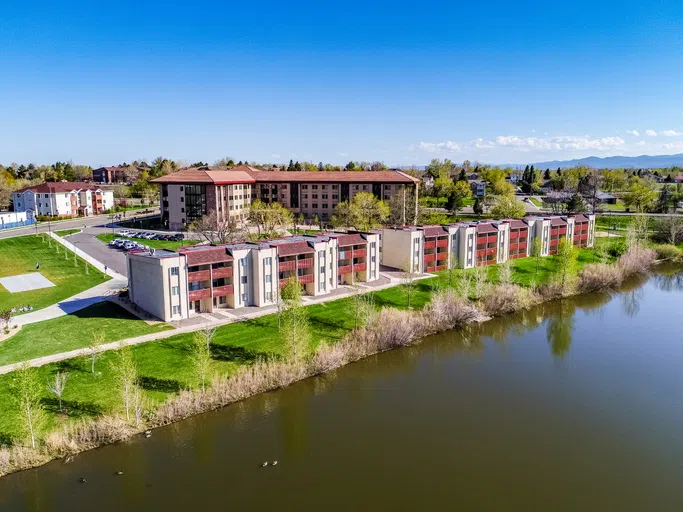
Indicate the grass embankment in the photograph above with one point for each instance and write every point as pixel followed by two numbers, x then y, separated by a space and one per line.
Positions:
pixel 19 255
pixel 66 232
pixel 165 366
pixel 154 244
pixel 536 202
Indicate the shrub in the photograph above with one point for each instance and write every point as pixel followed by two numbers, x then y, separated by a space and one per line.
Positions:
pixel 448 310
pixel 668 252
pixel 600 275
pixel 637 260
pixel 507 298
pixel 87 434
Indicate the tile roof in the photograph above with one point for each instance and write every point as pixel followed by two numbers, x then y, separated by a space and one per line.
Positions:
pixel 349 239
pixel 205 254
pixel 516 223
pixel 287 248
pixel 59 187
pixel 558 221
pixel 486 227
pixel 247 174
pixel 580 218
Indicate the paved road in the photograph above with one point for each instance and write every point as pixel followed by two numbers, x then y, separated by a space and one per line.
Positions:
pixel 87 242
pixel 44 227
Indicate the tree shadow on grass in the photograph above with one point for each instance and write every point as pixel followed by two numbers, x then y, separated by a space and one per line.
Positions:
pixel 234 354
pixel 155 384
pixel 103 309
pixel 71 408
pixel 70 365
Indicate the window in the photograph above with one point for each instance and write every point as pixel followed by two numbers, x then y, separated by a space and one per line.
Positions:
pixel 305 196
pixel 314 196
pixel 305 205
pixel 268 261
pixel 176 310
pixel 196 201
pixel 174 271
pixel 314 187
pixel 335 196
pixel 175 290
pixel 268 278
pixel 324 206
pixel 244 279
pixel 315 206
pixel 269 296
pixel 324 196
pixel 304 187
pixel 244 297
pixel 365 187
pixel 181 188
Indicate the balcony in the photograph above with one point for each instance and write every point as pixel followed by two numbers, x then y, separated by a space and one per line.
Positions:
pixel 442 243
pixel 553 243
pixel 514 235
pixel 486 252
pixel 441 256
pixel 430 257
pixel 430 245
pixel 359 253
pixel 441 267
pixel 201 275
pixel 305 263
pixel 283 266
pixel 346 269
pixel 308 278
pixel 222 272
pixel 204 293
pixel 220 291
pixel 360 267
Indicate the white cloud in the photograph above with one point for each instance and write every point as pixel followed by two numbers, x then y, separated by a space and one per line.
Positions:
pixel 438 147
pixel 670 133
pixel 560 143
pixel 640 143
pixel 650 133
pixel 633 132
pixel 674 145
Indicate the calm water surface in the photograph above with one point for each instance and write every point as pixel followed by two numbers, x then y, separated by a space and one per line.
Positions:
pixel 575 405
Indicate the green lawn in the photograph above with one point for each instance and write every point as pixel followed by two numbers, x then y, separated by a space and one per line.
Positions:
pixel 74 331
pixel 67 232
pixel 154 244
pixel 165 366
pixel 19 255
pixel 536 202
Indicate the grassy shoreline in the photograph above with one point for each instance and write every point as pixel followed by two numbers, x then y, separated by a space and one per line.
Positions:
pixel 244 372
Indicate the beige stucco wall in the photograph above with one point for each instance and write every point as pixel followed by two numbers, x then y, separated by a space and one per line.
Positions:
pixel 468 247
pixel 402 247
pixel 151 285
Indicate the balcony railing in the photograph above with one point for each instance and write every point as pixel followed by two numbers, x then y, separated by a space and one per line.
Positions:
pixel 305 263
pixel 442 243
pixel 222 272
pixel 308 278
pixel 360 267
pixel 346 269
pixel 204 293
pixel 430 257
pixel 359 253
pixel 201 275
pixel 441 267
pixel 430 245
pixel 220 291
pixel 441 256
pixel 287 265
pixel 514 235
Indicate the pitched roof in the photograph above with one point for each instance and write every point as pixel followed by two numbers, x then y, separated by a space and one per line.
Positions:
pixel 580 217
pixel 287 248
pixel 205 254
pixel 486 227
pixel 59 187
pixel 558 221
pixel 516 223
pixel 246 174
pixel 432 231
pixel 215 174
pixel 349 239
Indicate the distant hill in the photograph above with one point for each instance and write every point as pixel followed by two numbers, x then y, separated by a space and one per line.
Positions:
pixel 615 162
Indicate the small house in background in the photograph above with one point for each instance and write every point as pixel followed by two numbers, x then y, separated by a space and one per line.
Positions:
pixel 678 179
pixel 605 198
pixel 478 187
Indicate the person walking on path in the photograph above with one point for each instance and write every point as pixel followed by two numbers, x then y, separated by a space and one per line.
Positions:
pixel 38 266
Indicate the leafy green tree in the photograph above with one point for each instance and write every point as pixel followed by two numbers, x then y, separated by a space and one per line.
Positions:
pixel 567 263
pixel 576 204
pixel 478 206
pixel 201 357
pixel 641 195
pixel 507 207
pixel 363 213
pixel 443 186
pixel 126 377
pixel 460 193
pixel 26 393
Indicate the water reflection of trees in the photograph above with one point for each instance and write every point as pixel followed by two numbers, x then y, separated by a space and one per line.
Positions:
pixel 560 327
pixel 669 279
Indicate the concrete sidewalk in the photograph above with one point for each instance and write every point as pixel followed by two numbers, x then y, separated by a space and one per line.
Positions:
pixel 91 296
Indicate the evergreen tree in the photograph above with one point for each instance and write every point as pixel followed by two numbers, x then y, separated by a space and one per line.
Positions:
pixel 478 208
pixel 463 175
pixel 320 166
pixel 546 174
pixel 297 166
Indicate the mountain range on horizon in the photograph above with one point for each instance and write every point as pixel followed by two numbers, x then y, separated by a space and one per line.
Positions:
pixel 613 162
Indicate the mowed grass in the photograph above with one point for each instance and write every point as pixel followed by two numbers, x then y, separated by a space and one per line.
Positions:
pixel 165 366
pixel 74 331
pixel 67 232
pixel 19 255
pixel 154 244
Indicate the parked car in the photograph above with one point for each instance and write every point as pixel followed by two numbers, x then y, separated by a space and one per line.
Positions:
pixel 112 243
pixel 119 243
pixel 128 245
pixel 148 236
pixel 124 232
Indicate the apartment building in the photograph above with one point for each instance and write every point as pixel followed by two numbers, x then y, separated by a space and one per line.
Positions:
pixel 469 244
pixel 190 193
pixel 63 199
pixel 207 278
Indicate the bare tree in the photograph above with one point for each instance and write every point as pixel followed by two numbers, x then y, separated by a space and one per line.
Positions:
pixel 671 229
pixel 480 278
pixel 217 231
pixel 463 286
pixel 95 348
pixel 452 268
pixel 57 386
pixel 209 333
pixel 26 392
pixel 408 280
pixel 505 272
pixel 6 317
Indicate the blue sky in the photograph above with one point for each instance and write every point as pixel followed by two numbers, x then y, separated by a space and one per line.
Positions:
pixel 104 82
